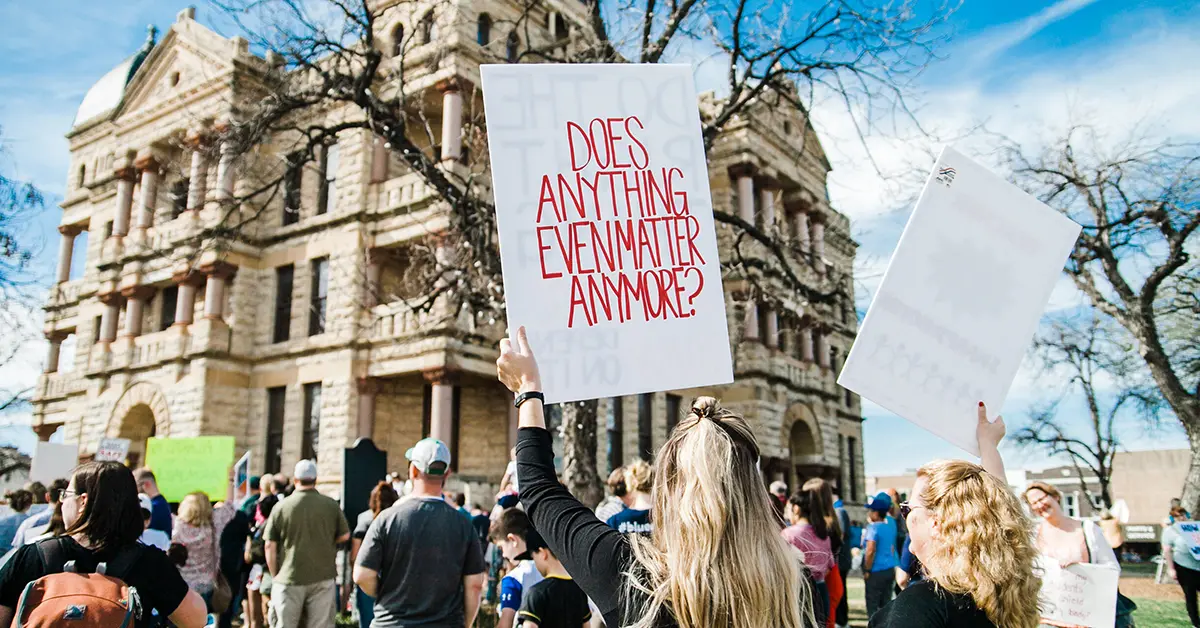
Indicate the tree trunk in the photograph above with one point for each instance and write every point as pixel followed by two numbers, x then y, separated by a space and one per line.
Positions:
pixel 579 452
pixel 1191 483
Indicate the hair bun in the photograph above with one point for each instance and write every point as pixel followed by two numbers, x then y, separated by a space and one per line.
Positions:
pixel 704 408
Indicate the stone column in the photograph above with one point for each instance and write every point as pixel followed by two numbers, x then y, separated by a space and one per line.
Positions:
pixel 367 389
pixel 787 342
pixel 451 120
pixel 745 195
pixel 66 249
pixel 802 232
pixel 751 321
pixel 185 302
pixel 146 205
pixel 767 200
pixel 198 177
pixel 441 416
pixel 108 320
pixel 374 271
pixel 46 430
pixel 806 344
pixel 135 304
pixel 818 242
pixel 125 178
pixel 55 348
pixel 822 349
pixel 214 291
pixel 772 327
pixel 225 173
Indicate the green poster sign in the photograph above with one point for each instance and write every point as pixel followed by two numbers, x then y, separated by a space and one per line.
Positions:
pixel 186 465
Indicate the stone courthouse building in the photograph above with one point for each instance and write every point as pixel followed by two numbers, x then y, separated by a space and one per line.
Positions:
pixel 295 334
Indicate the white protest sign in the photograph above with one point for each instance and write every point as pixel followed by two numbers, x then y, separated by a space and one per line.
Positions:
pixel 606 228
pixel 1190 531
pixel 960 300
pixel 1079 595
pixel 53 461
pixel 241 478
pixel 113 449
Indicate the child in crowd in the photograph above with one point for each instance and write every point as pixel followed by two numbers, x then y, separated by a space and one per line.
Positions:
pixel 509 533
pixel 556 601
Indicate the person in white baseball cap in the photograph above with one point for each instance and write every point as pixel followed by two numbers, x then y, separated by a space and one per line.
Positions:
pixel 434 578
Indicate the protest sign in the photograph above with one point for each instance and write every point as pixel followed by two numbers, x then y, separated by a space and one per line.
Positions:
pixel 960 300
pixel 1190 532
pixel 52 461
pixel 607 238
pixel 1079 595
pixel 186 465
pixel 241 478
pixel 112 450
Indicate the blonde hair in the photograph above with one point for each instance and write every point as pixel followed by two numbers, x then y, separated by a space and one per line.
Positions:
pixel 639 477
pixel 196 510
pixel 709 511
pixel 986 547
pixel 1049 490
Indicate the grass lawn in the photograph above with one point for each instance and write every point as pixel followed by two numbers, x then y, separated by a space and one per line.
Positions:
pixel 1160 613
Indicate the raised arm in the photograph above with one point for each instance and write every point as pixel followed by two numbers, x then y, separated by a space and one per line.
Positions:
pixel 989 434
pixel 594 554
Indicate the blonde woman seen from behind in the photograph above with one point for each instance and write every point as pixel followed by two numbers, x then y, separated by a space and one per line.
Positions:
pixel 715 558
pixel 198 527
pixel 975 543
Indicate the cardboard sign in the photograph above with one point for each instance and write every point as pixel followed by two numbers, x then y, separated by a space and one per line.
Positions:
pixel 1190 532
pixel 241 478
pixel 960 300
pixel 606 228
pixel 113 450
pixel 1079 595
pixel 53 461
pixel 186 465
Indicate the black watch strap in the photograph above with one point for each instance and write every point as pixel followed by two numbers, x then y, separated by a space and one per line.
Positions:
pixel 526 396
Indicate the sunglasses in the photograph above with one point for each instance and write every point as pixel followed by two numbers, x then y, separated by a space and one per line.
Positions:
pixel 906 509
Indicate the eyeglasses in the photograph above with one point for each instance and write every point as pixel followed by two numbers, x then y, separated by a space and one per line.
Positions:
pixel 907 508
pixel 69 493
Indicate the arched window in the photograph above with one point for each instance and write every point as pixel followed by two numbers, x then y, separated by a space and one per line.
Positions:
pixel 398 40
pixel 82 174
pixel 561 31
pixel 427 29
pixel 484 32
pixel 512 47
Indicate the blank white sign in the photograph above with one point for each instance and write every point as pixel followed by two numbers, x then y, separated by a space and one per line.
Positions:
pixel 960 300
pixel 53 461
pixel 606 227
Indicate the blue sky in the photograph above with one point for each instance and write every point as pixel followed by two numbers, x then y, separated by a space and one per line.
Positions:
pixel 1023 67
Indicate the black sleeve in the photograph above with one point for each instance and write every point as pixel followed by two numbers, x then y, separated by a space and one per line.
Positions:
pixel 23 567
pixel 533 604
pixel 159 583
pixel 918 606
pixel 593 553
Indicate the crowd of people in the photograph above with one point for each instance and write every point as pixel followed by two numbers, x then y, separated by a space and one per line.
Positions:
pixel 691 541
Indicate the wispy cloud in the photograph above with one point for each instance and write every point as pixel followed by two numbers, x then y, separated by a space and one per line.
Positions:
pixel 997 40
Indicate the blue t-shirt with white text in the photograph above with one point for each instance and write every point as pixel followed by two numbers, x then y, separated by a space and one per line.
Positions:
pixel 884 535
pixel 631 521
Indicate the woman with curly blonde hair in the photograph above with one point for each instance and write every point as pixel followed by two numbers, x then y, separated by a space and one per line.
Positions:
pixel 715 558
pixel 975 543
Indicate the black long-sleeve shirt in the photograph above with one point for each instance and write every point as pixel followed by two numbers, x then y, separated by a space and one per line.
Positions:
pixel 595 555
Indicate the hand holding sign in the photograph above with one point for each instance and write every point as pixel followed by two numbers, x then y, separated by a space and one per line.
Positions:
pixel 516 366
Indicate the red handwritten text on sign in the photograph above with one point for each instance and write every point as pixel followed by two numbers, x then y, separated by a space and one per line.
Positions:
pixel 619 230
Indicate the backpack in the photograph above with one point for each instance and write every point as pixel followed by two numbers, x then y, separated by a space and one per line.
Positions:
pixel 69 598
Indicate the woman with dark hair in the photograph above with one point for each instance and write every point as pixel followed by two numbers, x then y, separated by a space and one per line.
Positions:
pixel 382 497
pixel 258 583
pixel 809 533
pixel 104 521
pixel 19 501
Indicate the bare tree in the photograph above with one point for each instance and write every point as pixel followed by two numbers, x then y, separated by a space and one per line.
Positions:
pixel 1139 204
pixel 1095 364
pixel 345 56
pixel 19 202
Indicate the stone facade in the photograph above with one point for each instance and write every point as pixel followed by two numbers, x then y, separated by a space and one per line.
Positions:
pixel 293 338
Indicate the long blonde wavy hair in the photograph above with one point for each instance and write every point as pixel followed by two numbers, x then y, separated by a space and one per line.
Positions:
pixel 986 547
pixel 716 558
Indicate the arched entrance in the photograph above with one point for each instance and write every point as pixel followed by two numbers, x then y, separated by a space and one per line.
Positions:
pixel 805 448
pixel 139 414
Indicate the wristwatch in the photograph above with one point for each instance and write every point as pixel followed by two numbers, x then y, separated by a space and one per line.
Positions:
pixel 526 396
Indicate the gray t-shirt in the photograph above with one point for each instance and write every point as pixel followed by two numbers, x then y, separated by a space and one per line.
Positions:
pixel 422 549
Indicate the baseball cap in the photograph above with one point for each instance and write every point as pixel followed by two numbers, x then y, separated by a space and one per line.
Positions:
pixel 427 453
pixel 145 502
pixel 779 487
pixel 306 470
pixel 533 543
pixel 880 503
